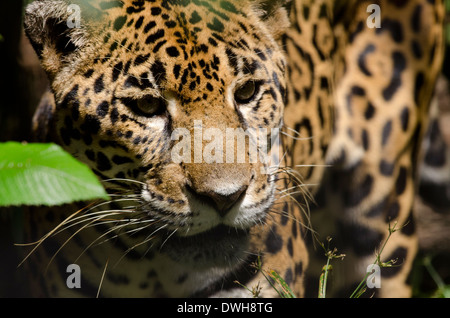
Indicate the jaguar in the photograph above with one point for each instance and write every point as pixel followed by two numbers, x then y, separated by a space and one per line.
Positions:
pixel 337 92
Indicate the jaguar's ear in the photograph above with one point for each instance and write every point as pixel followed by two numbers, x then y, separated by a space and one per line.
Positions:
pixel 57 29
pixel 275 13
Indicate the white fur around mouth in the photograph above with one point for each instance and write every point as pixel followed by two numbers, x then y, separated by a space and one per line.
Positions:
pixel 198 217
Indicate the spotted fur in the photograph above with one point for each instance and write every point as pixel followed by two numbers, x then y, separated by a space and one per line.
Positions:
pixel 352 102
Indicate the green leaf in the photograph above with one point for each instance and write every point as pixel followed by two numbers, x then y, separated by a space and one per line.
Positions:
pixel 44 174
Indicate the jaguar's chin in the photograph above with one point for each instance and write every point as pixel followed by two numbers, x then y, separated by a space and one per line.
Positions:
pixel 221 246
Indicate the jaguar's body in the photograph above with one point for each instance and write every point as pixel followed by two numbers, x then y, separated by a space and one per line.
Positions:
pixel 145 93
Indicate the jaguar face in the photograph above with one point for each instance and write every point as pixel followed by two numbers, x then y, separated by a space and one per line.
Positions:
pixel 173 100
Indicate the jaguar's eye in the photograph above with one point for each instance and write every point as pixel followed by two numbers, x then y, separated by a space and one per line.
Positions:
pixel 150 106
pixel 246 92
pixel 147 106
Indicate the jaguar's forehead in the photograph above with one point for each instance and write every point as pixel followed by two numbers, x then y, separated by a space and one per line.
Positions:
pixel 181 30
pixel 183 46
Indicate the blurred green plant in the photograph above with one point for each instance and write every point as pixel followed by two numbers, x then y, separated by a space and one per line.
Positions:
pixel 44 174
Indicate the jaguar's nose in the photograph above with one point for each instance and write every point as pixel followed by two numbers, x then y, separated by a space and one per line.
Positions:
pixel 220 201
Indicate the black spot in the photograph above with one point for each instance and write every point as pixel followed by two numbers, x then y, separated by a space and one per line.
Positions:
pixel 172 51
pixel 212 42
pixel 416 49
pixel 365 139
pixel 139 22
pixel 216 25
pixel 72 95
pixel 75 110
pixel 88 73
pixel 155 36
pixel 416 18
pixel 176 70
pixel 404 118
pixel 103 163
pixel 106 38
pixel 159 71
pixel 323 11
pixel 137 140
pixel 155 10
pixel 392 212
pixel 387 129
pixel 232 59
pixel 250 66
pixel 306 12
pixel 65 136
pixel 362 62
pixel 288 276
pixel 386 168
pixel 91 125
pixel 99 85
pixel 113 47
pixel 195 17
pixel 394 27
pixel 102 109
pixel 306 126
pixel 127 67
pixel 117 69
pixel 285 213
pixel 121 160
pixel 420 79
pixel 158 46
pixel 358 91
pixel 149 26
pixel 228 6
pixel 260 54
pixel 298 269
pixel 114 116
pixel 128 134
pixel 170 24
pixel 324 83
pixel 119 22
pixel 435 155
pixel 274 242
pixel 370 111
pixel 363 240
pixel 184 77
pixel 132 81
pixel 396 80
pixel 410 226
pixel 90 154
pixel 290 247
pixel 141 59
pixel 400 183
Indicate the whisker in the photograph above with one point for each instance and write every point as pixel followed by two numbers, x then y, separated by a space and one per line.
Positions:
pixel 146 240
pixel 101 280
pixel 67 241
pixel 41 240
pixel 168 237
